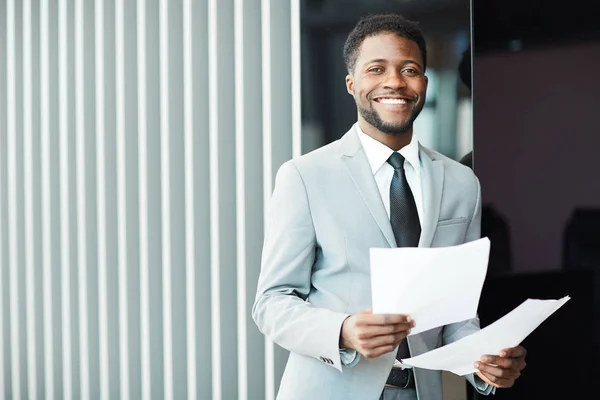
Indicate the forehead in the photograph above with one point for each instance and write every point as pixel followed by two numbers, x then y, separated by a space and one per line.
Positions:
pixel 389 46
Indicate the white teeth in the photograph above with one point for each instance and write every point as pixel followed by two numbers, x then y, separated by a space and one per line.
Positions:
pixel 392 101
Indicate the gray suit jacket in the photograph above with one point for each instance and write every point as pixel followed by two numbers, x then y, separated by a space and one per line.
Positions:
pixel 324 216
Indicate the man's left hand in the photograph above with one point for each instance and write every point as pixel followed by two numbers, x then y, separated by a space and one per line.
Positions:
pixel 502 371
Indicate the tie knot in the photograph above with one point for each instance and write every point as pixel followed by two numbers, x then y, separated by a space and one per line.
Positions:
pixel 396 160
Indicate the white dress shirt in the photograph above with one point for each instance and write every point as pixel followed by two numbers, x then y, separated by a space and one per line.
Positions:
pixel 378 153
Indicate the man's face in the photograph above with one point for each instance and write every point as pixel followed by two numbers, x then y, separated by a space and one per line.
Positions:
pixel 388 83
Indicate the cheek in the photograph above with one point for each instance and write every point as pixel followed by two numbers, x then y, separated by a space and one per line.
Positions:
pixel 364 88
pixel 420 88
pixel 364 99
pixel 363 93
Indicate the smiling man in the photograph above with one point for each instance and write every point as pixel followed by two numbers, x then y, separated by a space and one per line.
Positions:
pixel 375 187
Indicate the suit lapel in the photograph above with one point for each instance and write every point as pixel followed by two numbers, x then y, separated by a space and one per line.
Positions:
pixel 433 183
pixel 355 160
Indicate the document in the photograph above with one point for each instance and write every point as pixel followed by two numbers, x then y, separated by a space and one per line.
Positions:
pixel 435 286
pixel 509 331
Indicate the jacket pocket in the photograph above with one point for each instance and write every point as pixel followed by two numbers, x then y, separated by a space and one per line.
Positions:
pixel 452 221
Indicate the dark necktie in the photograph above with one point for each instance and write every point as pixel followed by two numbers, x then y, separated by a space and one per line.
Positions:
pixel 404 219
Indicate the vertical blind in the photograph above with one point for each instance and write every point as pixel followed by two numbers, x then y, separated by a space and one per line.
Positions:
pixel 138 146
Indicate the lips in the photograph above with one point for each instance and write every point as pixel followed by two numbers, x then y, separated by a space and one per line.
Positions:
pixel 392 99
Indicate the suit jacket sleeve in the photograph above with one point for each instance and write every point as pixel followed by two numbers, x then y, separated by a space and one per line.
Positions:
pixel 280 309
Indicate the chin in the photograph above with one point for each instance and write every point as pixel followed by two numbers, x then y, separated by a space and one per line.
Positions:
pixel 401 127
pixel 397 133
pixel 394 124
pixel 395 130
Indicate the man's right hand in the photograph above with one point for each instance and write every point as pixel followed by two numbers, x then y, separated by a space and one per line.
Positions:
pixel 373 335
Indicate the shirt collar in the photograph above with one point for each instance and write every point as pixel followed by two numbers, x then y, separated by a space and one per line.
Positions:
pixel 378 153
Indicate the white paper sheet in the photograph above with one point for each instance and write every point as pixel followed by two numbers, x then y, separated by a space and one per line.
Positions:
pixel 435 286
pixel 459 357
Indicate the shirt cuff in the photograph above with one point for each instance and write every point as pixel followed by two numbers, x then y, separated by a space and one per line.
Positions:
pixel 349 357
pixel 482 387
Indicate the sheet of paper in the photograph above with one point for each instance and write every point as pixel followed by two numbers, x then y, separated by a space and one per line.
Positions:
pixel 435 286
pixel 510 330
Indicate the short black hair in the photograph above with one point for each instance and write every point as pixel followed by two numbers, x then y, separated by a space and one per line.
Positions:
pixel 375 24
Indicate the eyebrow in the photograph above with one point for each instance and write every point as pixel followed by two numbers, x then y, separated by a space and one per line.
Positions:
pixel 383 60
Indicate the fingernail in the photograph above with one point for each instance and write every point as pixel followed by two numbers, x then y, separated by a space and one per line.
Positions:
pixel 408 319
pixel 476 365
pixel 486 359
pixel 502 354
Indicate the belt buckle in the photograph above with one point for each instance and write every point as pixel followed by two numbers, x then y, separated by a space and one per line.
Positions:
pixel 399 378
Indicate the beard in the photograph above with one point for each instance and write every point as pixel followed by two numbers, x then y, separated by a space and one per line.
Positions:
pixel 372 117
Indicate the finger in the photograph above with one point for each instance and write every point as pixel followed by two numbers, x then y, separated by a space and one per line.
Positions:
pixel 381 319
pixel 495 381
pixel 385 340
pixel 514 352
pixel 378 351
pixel 508 363
pixel 401 328
pixel 369 331
pixel 497 371
pixel 386 319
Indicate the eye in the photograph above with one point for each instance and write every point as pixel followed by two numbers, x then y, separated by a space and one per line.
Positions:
pixel 410 72
pixel 375 70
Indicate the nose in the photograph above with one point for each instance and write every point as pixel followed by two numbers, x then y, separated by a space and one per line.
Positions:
pixel 394 80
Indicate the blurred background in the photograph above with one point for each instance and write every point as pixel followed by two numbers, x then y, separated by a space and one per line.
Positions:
pixel 536 133
pixel 139 141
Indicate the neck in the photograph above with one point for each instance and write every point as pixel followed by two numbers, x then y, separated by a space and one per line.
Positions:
pixel 394 142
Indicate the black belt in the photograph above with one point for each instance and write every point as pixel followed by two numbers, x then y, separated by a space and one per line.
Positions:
pixel 401 378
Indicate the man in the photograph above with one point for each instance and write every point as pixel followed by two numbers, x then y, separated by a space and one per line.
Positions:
pixel 375 187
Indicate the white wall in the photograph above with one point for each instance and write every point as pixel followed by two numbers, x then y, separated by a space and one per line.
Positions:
pixel 138 146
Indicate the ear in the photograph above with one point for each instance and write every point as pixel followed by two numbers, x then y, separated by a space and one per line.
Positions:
pixel 426 82
pixel 350 84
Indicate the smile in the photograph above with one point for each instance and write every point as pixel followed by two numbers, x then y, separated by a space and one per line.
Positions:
pixel 388 100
